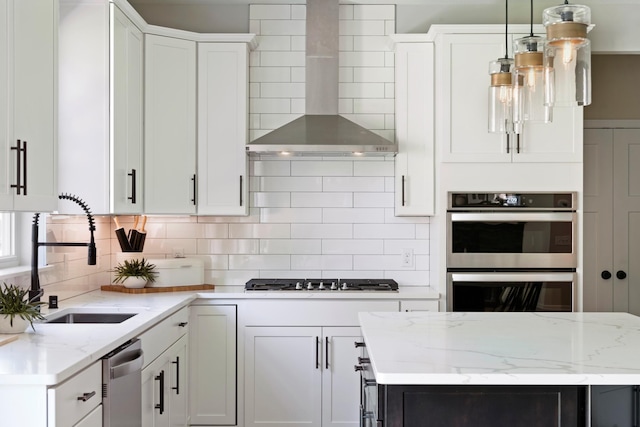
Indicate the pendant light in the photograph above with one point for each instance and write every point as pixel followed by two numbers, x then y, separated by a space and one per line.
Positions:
pixel 501 89
pixel 569 52
pixel 534 78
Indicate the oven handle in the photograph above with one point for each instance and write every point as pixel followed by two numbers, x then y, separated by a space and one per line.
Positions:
pixel 513 277
pixel 513 216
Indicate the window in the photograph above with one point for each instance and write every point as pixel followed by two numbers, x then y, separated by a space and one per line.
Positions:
pixel 7 240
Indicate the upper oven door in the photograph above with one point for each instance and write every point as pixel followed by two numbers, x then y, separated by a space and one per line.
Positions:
pixel 518 240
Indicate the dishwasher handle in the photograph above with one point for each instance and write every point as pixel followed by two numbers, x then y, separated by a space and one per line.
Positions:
pixel 128 367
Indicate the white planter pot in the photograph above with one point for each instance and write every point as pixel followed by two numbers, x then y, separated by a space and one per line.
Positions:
pixel 19 325
pixel 135 282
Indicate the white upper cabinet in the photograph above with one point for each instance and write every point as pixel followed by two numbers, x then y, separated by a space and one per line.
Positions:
pixel 463 81
pixel 170 125
pixel 223 186
pixel 28 151
pixel 100 108
pixel 414 163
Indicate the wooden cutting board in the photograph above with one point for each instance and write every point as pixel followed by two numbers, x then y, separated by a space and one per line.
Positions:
pixel 119 288
pixel 7 338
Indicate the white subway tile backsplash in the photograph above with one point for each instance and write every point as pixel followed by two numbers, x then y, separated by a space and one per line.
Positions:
pixel 228 246
pixel 321 168
pixel 371 43
pixel 321 231
pixel 259 231
pixel 291 274
pixel 345 106
pixel 282 59
pixel 422 231
pixel 298 43
pixel 298 75
pixel 376 262
pixel 274 121
pixel 360 28
pixel 261 11
pixel 222 278
pixel 353 216
pixel 371 200
pixel 283 27
pixel 384 231
pixel 361 90
pixel 354 184
pixel 361 59
pixel 352 247
pixel 321 200
pixel 390 218
pixel 408 277
pixel 372 12
pixel 271 200
pixel 298 106
pixel 373 74
pixel 269 106
pixel 321 262
pixel 345 43
pixel 390 92
pixel 282 90
pixel 373 106
pixel 254 26
pixel 293 246
pixel 345 74
pixel 374 168
pixel 389 59
pixel 418 246
pixel 290 215
pixel 389 27
pixel 270 74
pixel 274 43
pixel 422 262
pixel 298 11
pixel 311 183
pixel 345 11
pixel 259 262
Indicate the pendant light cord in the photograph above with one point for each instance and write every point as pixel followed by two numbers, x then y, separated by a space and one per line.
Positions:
pixel 506 29
pixel 531 18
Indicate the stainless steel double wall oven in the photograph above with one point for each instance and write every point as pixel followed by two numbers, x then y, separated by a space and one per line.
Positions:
pixel 511 251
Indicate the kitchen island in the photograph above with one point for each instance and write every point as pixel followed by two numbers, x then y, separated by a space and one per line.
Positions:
pixel 499 369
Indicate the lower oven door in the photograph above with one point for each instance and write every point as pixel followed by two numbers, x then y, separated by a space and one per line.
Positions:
pixel 511 291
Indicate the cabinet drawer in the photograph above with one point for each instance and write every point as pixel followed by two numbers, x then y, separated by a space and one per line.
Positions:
pixel 163 334
pixel 72 400
pixel 419 305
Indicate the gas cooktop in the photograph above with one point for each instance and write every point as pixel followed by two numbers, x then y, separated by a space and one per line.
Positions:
pixel 366 285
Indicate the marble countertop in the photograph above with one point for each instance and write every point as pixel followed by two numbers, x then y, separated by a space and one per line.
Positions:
pixel 503 348
pixel 54 352
pixel 237 292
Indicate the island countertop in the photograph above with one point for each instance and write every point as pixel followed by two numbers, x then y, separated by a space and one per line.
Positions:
pixel 503 348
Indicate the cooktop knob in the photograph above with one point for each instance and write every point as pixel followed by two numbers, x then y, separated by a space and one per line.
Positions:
pixel 298 286
pixel 345 286
pixel 321 286
pixel 309 286
pixel 334 286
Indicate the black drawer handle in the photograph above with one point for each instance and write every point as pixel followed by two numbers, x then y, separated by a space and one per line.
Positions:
pixel 86 396
pixel 362 360
pixel 133 186
pixel 358 368
pixel 160 379
pixel 183 324
pixel 177 387
pixel 359 344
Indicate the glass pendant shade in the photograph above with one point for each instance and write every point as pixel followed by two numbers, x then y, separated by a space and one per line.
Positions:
pixel 569 53
pixel 533 78
pixel 501 96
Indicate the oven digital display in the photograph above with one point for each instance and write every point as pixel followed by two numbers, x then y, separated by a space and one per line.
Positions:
pixel 511 200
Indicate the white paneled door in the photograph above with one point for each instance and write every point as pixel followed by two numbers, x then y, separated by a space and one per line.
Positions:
pixel 612 220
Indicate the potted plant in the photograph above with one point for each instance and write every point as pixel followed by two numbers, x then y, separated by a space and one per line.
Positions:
pixel 135 273
pixel 16 311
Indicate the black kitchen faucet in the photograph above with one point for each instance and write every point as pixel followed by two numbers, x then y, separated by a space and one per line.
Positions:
pixel 36 291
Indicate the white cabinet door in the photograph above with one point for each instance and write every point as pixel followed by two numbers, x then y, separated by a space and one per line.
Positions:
pixel 283 376
pixel 414 163
pixel 340 382
pixel 170 126
pixel 126 114
pixel 164 388
pixel 212 362
pixel 462 78
pixel 32 36
pixel 223 186
pixel 6 193
pixel 94 419
pixel 558 141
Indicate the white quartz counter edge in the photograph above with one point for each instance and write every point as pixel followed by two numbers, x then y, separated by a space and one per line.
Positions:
pixel 54 352
pixel 503 348
pixel 237 292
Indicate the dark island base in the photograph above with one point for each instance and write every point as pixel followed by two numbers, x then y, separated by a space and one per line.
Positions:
pixel 480 406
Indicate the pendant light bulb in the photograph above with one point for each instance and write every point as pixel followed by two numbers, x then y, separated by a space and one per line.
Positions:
pixel 501 88
pixel 569 52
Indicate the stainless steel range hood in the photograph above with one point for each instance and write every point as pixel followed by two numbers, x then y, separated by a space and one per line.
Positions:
pixel 321 131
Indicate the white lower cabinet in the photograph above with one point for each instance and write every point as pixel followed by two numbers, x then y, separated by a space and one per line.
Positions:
pixel 164 388
pixel 301 376
pixel 212 362
pixel 71 401
pixel 94 419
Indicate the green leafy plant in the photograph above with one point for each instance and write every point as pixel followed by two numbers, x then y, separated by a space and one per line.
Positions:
pixel 135 268
pixel 14 301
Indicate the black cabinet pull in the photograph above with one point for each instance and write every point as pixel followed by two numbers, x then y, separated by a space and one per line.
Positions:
pixel 133 186
pixel 326 352
pixel 317 353
pixel 21 167
pixel 86 396
pixel 183 324
pixel 362 360
pixel 160 379
pixel 359 344
pixel 402 196
pixel 177 387
pixel 518 143
pixel 606 275
pixel 240 190
pixel 508 148
pixel 621 275
pixel 194 189
pixel 358 368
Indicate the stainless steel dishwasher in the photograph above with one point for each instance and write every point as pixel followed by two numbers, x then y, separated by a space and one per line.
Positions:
pixel 122 386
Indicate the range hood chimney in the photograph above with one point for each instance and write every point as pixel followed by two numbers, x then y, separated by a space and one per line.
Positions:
pixel 321 131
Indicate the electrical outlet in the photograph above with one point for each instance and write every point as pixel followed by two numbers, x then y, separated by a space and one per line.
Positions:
pixel 178 252
pixel 407 257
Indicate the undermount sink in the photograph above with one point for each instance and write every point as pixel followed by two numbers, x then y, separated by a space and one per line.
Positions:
pixel 88 315
pixel 92 318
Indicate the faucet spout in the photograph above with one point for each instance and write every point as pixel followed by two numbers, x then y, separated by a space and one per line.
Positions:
pixel 36 291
